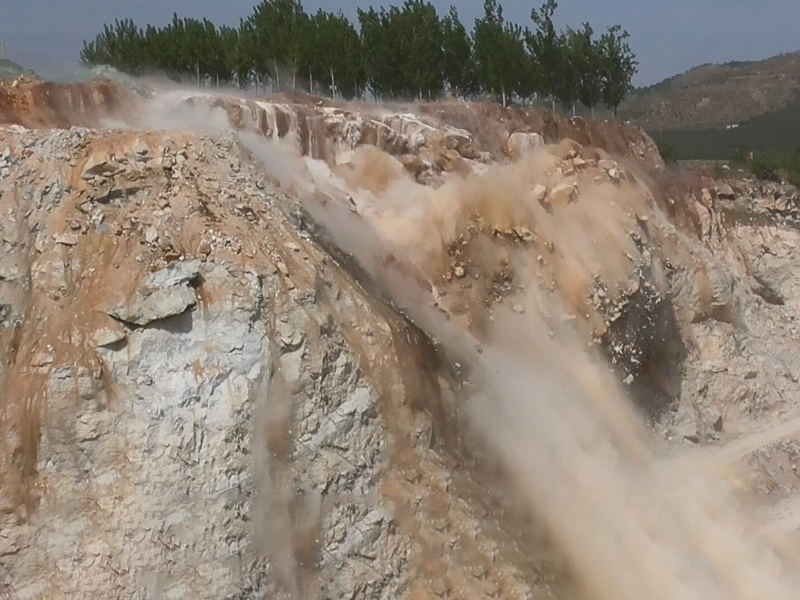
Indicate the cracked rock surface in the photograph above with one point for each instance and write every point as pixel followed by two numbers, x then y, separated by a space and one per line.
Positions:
pixel 216 410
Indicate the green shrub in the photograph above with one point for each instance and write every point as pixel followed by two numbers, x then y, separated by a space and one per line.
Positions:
pixel 720 170
pixel 777 167
pixel 667 151
pixel 765 170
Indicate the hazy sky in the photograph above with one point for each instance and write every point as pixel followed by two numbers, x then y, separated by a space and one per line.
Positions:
pixel 669 36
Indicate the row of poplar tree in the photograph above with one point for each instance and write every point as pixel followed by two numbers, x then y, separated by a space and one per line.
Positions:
pixel 404 51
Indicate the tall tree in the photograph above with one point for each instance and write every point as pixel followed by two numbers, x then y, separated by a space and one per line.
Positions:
pixel 237 58
pixel 457 56
pixel 568 84
pixel 546 49
pixel 405 50
pixel 419 32
pixel 499 52
pixel 487 34
pixel 587 57
pixel 336 55
pixel 378 56
pixel 529 80
pixel 617 66
pixel 278 30
pixel 119 45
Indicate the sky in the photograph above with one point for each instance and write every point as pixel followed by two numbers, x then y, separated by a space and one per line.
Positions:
pixel 668 36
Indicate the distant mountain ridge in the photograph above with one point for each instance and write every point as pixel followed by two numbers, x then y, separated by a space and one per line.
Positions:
pixel 717 95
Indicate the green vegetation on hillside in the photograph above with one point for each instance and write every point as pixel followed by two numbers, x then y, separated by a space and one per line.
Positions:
pixel 778 166
pixel 11 70
pixel 769 143
pixel 773 133
pixel 402 51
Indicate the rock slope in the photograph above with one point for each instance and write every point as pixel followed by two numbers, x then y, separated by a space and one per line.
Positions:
pixel 200 401
pixel 209 390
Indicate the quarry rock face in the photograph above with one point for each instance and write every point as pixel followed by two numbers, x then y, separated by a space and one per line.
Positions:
pixel 187 389
pixel 163 294
pixel 207 393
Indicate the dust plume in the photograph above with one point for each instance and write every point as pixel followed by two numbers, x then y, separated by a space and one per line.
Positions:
pixel 499 267
pixel 631 525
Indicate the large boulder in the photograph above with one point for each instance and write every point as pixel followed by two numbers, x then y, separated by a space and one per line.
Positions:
pixel 521 144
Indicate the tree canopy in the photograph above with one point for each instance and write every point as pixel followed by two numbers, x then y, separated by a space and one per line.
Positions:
pixel 403 51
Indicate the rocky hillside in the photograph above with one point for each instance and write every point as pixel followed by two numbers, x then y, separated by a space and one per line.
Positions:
pixel 718 95
pixel 213 407
pixel 283 349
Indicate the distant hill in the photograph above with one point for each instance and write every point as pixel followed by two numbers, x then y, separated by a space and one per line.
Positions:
pixel 717 95
pixel 772 134
pixel 11 70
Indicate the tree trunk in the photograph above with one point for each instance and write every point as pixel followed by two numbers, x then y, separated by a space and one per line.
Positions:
pixel 277 78
pixel 333 83
pixel 197 68
pixel 310 83
pixel 294 79
pixel 504 96
pixel 592 109
pixel 573 109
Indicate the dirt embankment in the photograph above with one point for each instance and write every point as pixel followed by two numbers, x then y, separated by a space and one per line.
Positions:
pixel 314 120
pixel 491 124
pixel 52 105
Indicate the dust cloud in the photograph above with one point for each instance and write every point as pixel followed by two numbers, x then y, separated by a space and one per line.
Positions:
pixel 630 523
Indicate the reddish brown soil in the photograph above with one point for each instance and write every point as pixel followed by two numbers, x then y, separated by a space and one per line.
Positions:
pixel 38 104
